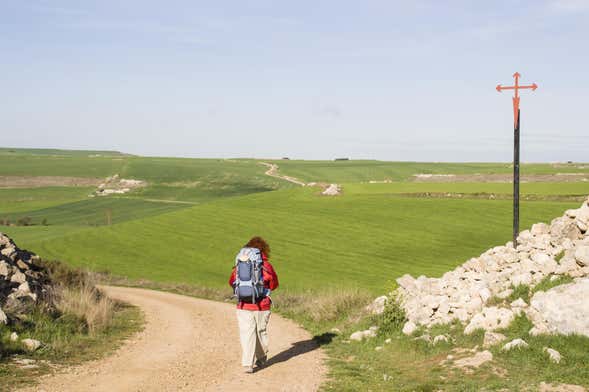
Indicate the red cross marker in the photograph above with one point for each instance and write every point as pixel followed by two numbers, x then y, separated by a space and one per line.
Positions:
pixel 516 121
pixel 516 87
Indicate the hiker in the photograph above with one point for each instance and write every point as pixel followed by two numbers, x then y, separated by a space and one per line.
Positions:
pixel 253 284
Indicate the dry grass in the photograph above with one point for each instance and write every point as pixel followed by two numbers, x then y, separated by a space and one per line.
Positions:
pixel 325 306
pixel 87 304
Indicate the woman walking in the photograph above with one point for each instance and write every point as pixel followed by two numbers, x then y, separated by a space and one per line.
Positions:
pixel 253 279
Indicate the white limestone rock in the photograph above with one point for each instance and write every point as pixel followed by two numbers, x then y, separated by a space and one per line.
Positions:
pixel 378 305
pixel 553 355
pixel 409 328
pixel 582 255
pixel 539 229
pixel 31 344
pixel 519 303
pixel 562 309
pixel 515 343
pixel 474 361
pixel 357 336
pixel 493 338
pixel 490 319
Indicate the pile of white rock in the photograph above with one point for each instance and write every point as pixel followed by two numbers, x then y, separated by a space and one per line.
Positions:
pixel 22 279
pixel 332 190
pixel 114 185
pixel 558 249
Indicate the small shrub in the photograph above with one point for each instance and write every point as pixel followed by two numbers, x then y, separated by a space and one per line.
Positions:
pixel 393 317
pixel 25 221
pixel 559 256
pixel 67 276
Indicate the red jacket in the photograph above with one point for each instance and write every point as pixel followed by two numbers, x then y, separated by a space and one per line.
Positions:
pixel 270 282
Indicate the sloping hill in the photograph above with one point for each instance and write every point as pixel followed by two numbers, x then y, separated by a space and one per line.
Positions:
pixel 354 240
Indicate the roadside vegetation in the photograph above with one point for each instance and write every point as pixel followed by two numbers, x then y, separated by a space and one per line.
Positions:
pixel 395 362
pixel 75 323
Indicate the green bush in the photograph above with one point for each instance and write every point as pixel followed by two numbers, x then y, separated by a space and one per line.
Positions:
pixel 393 317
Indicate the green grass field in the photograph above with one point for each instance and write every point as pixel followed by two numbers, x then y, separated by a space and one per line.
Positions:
pixel 363 171
pixel 530 188
pixel 22 200
pixel 95 211
pixel 355 240
pixel 186 225
pixel 57 152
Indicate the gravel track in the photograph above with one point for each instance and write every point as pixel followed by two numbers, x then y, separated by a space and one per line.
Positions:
pixel 191 344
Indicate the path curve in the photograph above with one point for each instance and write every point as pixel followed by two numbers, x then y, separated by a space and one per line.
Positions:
pixel 191 344
pixel 273 172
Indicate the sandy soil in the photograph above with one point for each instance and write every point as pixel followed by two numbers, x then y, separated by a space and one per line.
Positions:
pixel 37 182
pixel 191 344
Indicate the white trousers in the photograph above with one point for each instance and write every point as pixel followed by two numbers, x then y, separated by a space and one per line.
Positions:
pixel 253 335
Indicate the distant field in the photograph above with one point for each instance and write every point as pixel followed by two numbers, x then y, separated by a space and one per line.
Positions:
pixel 22 200
pixel 194 214
pixel 364 171
pixel 535 188
pixel 356 240
pixel 96 211
pixel 49 165
pixel 54 151
pixel 194 180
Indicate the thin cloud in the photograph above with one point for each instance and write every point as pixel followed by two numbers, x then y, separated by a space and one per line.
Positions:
pixel 327 111
pixel 172 32
pixel 569 5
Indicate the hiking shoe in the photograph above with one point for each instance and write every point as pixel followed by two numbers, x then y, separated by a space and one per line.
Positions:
pixel 261 361
pixel 248 369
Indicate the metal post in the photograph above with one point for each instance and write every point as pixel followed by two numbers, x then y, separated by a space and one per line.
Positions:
pixel 516 180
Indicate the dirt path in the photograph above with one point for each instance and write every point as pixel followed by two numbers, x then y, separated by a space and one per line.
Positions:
pixel 273 172
pixel 192 344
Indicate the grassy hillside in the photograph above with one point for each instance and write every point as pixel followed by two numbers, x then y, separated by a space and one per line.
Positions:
pixel 54 151
pixel 50 165
pixel 186 225
pixel 96 211
pixel 363 171
pixel 23 200
pixel 355 240
pixel 532 188
pixel 194 180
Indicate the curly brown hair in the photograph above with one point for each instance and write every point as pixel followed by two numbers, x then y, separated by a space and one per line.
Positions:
pixel 259 243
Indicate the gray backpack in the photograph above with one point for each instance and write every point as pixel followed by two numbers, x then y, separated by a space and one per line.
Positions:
pixel 249 281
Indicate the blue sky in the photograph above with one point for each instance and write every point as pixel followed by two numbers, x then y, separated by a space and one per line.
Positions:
pixel 391 80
